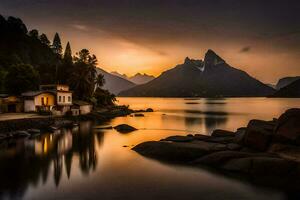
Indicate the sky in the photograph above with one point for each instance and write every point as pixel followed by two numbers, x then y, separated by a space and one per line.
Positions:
pixel 261 37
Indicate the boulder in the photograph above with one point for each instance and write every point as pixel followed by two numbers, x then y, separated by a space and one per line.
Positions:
pixel 179 138
pixel 139 115
pixel 262 166
pixel 259 134
pixel 34 131
pixel 288 125
pixel 222 133
pixel 217 159
pixel 124 128
pixel 177 151
pixel 233 146
pixel 286 151
pixel 240 135
pixel 207 138
pixel 21 134
pixel 149 110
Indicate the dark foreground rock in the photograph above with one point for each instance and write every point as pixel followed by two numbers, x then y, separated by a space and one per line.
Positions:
pixel 254 153
pixel 124 128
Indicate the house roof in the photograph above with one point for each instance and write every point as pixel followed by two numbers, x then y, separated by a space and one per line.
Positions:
pixel 81 103
pixel 36 93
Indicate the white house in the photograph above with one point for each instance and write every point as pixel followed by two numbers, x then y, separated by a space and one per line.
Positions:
pixel 54 98
pixel 82 106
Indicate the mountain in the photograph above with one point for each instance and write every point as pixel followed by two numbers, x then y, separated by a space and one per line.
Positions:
pixel 212 77
pixel 113 83
pixel 124 76
pixel 141 78
pixel 137 78
pixel 286 81
pixel 291 90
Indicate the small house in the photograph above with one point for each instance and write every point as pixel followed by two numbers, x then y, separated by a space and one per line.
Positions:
pixel 81 107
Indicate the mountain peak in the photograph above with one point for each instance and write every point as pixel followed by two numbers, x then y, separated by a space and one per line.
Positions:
pixel 212 59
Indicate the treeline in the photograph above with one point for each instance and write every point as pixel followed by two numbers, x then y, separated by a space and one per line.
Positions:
pixel 28 59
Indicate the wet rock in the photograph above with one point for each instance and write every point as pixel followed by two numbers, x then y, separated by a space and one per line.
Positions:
pixel 124 128
pixel 21 134
pixel 103 127
pixel 288 126
pixel 178 138
pixel 240 135
pixel 233 146
pixel 222 140
pixel 149 110
pixel 139 115
pixel 217 159
pixel 263 166
pixel 286 151
pixel 34 131
pixel 259 134
pixel 177 151
pixel 222 133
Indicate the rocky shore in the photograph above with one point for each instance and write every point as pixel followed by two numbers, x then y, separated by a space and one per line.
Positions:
pixel 32 126
pixel 264 152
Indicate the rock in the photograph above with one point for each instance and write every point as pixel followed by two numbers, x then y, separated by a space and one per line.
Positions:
pixel 240 135
pixel 286 151
pixel 288 125
pixel 21 134
pixel 222 133
pixel 217 159
pixel 222 140
pixel 149 110
pixel 262 166
pixel 259 134
pixel 124 128
pixel 178 138
pixel 177 151
pixel 34 131
pixel 125 146
pixel 233 146
pixel 201 137
pixel 139 115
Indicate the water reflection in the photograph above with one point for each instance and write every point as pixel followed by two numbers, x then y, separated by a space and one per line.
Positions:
pixel 25 162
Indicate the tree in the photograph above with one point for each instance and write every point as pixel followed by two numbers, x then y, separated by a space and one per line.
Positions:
pixel 104 98
pixel 100 81
pixel 82 80
pixel 68 54
pixel 56 46
pixel 21 78
pixel 34 33
pixel 44 39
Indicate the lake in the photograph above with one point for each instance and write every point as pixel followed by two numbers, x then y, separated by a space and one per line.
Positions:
pixel 88 163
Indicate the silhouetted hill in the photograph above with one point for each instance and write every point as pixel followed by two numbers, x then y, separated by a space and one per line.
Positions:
pixel 212 77
pixel 113 83
pixel 138 78
pixel 286 81
pixel 291 90
pixel 17 46
pixel 141 78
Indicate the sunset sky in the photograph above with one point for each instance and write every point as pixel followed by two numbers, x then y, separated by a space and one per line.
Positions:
pixel 129 36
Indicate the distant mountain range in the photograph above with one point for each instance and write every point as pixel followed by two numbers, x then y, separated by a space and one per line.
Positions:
pixel 113 83
pixel 211 77
pixel 137 78
pixel 291 90
pixel 286 81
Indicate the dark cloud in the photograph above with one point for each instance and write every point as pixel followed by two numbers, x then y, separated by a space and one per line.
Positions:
pixel 245 49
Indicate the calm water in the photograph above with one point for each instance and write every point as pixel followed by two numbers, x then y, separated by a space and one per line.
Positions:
pixel 85 163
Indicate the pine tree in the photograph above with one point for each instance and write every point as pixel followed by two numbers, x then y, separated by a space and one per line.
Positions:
pixel 44 39
pixel 56 46
pixel 68 54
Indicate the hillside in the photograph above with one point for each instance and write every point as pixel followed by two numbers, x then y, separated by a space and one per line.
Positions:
pixel 113 83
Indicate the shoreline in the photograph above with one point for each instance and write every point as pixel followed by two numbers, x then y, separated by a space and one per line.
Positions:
pixel 265 153
pixel 16 128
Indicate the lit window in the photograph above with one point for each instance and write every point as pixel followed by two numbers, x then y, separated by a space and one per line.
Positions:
pixel 59 98
pixel 69 99
pixel 64 99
